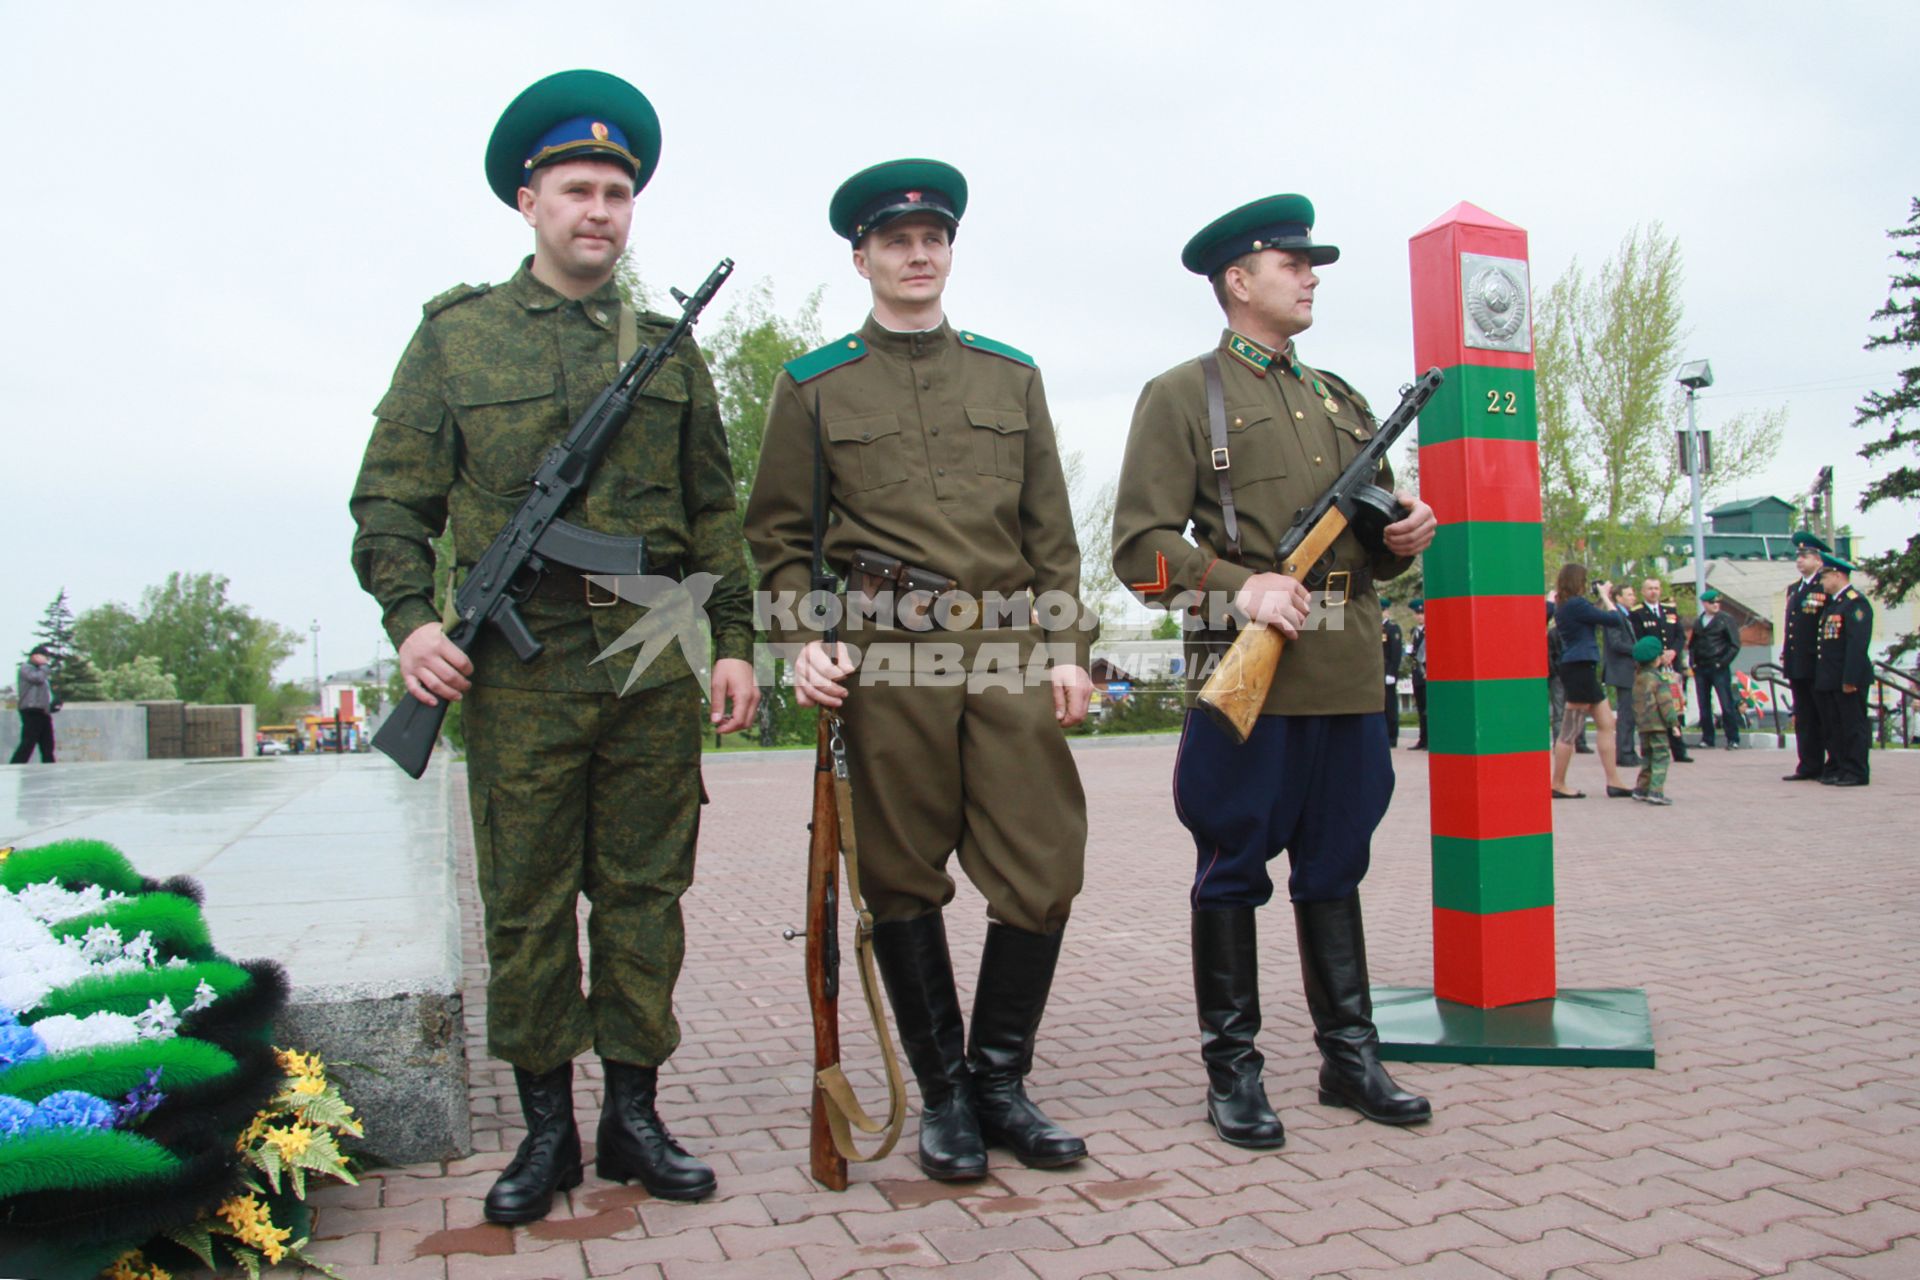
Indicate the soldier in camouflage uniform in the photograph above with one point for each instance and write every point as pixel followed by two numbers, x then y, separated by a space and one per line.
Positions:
pixel 940 462
pixel 573 787
pixel 1233 443
pixel 1657 713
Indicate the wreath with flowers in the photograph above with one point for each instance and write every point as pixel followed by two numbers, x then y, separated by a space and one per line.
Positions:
pixel 144 1112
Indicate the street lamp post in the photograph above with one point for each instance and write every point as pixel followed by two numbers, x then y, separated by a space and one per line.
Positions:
pixel 1694 375
pixel 318 705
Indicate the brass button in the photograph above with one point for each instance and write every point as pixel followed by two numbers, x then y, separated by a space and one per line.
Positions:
pixel 1238 423
pixel 966 337
pixel 933 431
pixel 1298 414
pixel 853 344
pixel 601 316
pixel 868 435
pixel 1316 457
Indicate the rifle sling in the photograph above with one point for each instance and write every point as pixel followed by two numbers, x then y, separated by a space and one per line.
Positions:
pixel 628 340
pixel 1217 430
pixel 844 1111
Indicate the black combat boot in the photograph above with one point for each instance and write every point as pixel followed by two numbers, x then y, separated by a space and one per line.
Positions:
pixel 918 972
pixel 634 1145
pixel 1016 972
pixel 549 1156
pixel 1333 962
pixel 1226 987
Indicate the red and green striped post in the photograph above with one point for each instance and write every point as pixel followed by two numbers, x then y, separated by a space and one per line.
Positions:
pixel 1494 996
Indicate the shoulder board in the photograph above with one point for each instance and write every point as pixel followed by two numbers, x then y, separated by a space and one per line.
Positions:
pixel 454 296
pixel 1345 388
pixel 656 319
pixel 826 359
pixel 980 342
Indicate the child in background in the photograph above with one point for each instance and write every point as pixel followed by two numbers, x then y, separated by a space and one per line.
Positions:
pixel 1655 712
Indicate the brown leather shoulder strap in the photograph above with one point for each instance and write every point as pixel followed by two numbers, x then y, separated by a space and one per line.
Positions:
pixel 1222 460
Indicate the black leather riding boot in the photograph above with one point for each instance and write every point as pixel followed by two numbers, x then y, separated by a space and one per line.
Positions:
pixel 549 1156
pixel 1333 962
pixel 635 1145
pixel 1226 987
pixel 918 973
pixel 1016 973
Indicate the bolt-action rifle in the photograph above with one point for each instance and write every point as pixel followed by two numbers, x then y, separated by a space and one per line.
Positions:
pixel 1237 689
pixel 536 536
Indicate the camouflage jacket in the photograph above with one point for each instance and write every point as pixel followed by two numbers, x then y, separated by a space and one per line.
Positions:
pixel 493 377
pixel 1654 707
pixel 1290 432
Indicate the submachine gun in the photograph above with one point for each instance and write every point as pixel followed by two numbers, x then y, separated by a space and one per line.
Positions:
pixel 536 536
pixel 1237 689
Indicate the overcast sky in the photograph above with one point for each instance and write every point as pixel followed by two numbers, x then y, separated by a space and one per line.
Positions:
pixel 225 218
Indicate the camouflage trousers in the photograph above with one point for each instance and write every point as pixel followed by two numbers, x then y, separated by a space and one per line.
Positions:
pixel 1655 752
pixel 588 793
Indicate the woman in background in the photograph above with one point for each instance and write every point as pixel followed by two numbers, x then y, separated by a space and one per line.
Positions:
pixel 1574 618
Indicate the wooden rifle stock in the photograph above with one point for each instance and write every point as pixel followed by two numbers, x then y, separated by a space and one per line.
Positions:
pixel 823 956
pixel 1237 689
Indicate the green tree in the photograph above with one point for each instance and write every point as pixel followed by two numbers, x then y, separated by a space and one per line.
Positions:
pixel 1168 628
pixel 283 703
pixel 1092 510
pixel 217 651
pixel 74 678
pixel 745 352
pixel 141 680
pixel 1605 350
pixel 1897 570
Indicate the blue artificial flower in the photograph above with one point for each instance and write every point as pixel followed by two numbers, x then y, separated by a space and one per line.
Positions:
pixel 14 1115
pixel 72 1109
pixel 8 1017
pixel 18 1044
pixel 141 1099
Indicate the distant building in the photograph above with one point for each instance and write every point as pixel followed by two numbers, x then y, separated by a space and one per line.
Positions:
pixel 1752 529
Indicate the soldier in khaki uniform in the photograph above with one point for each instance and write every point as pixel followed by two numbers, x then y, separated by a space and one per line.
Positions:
pixel 573 787
pixel 1233 443
pixel 941 471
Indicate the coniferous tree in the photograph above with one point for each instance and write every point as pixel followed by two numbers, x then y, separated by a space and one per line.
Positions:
pixel 74 677
pixel 1897 571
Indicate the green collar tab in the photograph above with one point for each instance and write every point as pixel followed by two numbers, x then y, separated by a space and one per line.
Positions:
pixel 979 342
pixel 1251 354
pixel 826 359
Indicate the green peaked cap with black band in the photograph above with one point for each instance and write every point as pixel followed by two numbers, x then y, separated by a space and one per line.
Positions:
pixel 1805 538
pixel 572 115
pixel 877 195
pixel 1646 648
pixel 1831 561
pixel 1276 222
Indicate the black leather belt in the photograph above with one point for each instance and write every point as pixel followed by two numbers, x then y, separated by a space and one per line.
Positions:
pixel 570 586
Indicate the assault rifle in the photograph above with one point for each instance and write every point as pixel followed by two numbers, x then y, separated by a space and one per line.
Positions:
pixel 537 537
pixel 1237 689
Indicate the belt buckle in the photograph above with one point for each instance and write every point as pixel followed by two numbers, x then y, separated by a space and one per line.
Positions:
pixel 1344 590
pixel 613 597
pixel 1220 458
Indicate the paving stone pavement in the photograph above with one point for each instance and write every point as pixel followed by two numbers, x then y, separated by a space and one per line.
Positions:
pixel 1775 928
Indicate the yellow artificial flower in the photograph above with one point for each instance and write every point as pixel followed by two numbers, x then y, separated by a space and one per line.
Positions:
pixel 133 1265
pixel 308 1087
pixel 252 1224
pixel 300 1065
pixel 253 1132
pixel 291 1143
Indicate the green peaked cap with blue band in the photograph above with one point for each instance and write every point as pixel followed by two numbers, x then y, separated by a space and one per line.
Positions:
pixel 572 115
pixel 1276 222
pixel 877 195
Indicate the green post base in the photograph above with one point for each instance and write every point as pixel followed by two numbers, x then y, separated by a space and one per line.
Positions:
pixel 1594 1028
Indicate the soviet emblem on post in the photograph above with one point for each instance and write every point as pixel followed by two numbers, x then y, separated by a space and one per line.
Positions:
pixel 1494 291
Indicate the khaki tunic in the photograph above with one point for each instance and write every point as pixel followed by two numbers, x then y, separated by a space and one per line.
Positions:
pixel 941 454
pixel 1287 443
pixel 572 788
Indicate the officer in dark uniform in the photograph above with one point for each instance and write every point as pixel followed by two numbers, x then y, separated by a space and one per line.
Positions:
pixel 1392 655
pixel 1805 599
pixel 1841 673
pixel 1657 617
pixel 577 782
pixel 1417 661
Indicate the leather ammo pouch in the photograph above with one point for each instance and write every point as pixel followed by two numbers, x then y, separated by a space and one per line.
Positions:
pixel 879 585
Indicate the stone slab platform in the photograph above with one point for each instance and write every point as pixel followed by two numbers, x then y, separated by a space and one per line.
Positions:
pixel 1775 928
pixel 339 867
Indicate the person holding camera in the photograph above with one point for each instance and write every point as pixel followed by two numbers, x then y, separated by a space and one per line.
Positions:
pixel 1575 617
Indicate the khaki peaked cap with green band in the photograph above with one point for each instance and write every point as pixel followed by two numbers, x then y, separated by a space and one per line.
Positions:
pixel 572 115
pixel 877 195
pixel 1275 222
pixel 1291 431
